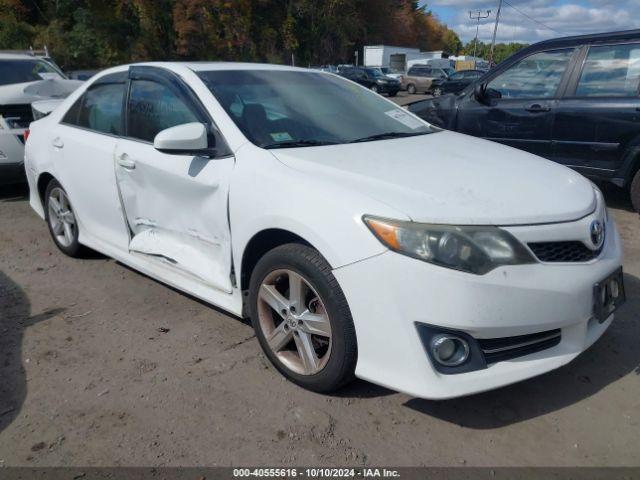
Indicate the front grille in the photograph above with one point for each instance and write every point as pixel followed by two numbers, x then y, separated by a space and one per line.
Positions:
pixel 17 116
pixel 506 348
pixel 569 252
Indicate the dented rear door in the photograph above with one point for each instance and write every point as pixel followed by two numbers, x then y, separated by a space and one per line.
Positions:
pixel 175 205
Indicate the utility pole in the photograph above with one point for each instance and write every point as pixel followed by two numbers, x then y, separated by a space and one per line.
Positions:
pixel 495 31
pixel 477 15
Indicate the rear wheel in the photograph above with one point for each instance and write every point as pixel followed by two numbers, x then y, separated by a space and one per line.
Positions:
pixel 437 92
pixel 635 192
pixel 411 88
pixel 61 219
pixel 302 319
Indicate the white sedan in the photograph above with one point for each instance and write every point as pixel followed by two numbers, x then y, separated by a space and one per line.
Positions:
pixel 360 240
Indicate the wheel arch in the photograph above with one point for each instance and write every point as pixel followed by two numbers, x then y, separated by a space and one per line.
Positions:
pixel 261 243
pixel 43 181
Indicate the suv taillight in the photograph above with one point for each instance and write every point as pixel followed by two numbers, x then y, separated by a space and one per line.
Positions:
pixel 26 134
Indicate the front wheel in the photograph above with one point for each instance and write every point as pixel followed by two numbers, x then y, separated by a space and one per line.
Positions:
pixel 411 88
pixel 635 192
pixel 61 219
pixel 374 88
pixel 302 319
pixel 437 92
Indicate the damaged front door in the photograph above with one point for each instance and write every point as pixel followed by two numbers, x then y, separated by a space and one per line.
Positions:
pixel 175 205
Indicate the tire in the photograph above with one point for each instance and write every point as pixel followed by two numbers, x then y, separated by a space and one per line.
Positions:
pixel 322 307
pixel 61 220
pixel 374 88
pixel 437 92
pixel 393 94
pixel 411 89
pixel 635 192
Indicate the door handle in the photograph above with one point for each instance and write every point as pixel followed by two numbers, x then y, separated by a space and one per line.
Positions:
pixel 125 162
pixel 57 142
pixel 537 108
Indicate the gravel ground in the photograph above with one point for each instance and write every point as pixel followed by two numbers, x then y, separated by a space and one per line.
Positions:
pixel 102 366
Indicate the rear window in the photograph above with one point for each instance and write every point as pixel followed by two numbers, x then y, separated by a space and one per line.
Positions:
pixel 22 71
pixel 99 109
pixel 611 71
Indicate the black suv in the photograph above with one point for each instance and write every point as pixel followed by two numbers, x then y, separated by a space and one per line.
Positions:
pixel 573 100
pixel 373 79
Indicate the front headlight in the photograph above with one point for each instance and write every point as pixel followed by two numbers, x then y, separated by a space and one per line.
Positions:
pixel 382 81
pixel 473 249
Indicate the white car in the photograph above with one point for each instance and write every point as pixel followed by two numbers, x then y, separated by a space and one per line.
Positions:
pixel 360 240
pixel 23 79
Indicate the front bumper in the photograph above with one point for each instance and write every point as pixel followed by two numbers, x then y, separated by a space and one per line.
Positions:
pixel 390 293
pixel 388 87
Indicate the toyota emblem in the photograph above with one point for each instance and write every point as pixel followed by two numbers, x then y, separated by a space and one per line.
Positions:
pixel 596 231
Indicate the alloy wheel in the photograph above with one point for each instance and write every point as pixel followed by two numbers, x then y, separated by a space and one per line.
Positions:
pixel 61 218
pixel 294 322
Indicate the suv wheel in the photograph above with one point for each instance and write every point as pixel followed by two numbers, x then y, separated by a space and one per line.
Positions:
pixel 411 88
pixel 301 318
pixel 635 192
pixel 61 219
pixel 374 88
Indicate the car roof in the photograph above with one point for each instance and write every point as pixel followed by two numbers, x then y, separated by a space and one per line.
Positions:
pixel 211 66
pixel 590 38
pixel 17 56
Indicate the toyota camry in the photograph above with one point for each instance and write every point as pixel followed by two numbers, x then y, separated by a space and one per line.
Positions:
pixel 360 240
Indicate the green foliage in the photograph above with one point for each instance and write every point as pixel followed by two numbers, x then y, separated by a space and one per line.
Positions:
pixel 100 33
pixel 501 52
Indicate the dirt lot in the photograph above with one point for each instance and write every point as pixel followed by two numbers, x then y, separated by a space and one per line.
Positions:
pixel 102 366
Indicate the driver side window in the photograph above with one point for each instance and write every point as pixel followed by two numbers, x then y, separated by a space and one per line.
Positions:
pixel 536 76
pixel 153 107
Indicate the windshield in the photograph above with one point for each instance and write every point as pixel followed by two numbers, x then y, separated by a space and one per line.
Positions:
pixel 374 72
pixel 22 71
pixel 278 109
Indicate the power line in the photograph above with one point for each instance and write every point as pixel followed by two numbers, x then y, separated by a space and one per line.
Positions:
pixel 533 19
pixel 478 16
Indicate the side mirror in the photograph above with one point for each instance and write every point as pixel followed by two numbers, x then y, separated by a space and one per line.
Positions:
pixel 186 139
pixel 480 92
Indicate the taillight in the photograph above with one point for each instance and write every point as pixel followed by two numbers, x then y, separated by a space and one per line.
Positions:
pixel 26 134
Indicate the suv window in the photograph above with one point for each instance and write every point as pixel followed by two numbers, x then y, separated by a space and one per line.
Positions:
pixel 536 76
pixel 99 109
pixel 611 71
pixel 154 107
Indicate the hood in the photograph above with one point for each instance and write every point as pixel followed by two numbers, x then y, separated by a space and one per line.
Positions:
pixel 20 93
pixel 451 178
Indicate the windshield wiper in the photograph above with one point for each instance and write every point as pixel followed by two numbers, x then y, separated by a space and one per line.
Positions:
pixel 299 143
pixel 384 136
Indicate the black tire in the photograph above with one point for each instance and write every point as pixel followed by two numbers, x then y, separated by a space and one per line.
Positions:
pixel 374 88
pixel 411 89
pixel 436 92
pixel 635 192
pixel 307 262
pixel 73 249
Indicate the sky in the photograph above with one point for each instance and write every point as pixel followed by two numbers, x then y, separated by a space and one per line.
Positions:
pixel 547 18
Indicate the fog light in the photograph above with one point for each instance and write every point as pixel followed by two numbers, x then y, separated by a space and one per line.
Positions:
pixel 449 350
pixel 615 289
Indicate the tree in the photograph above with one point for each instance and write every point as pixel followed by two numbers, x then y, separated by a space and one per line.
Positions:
pixel 100 33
